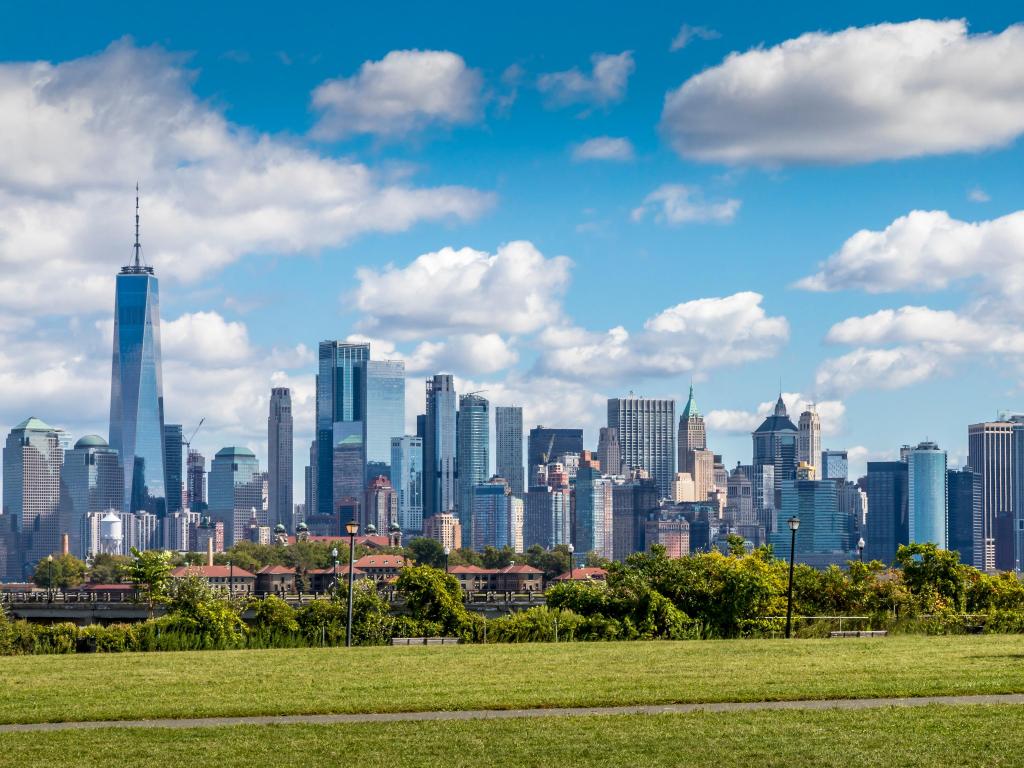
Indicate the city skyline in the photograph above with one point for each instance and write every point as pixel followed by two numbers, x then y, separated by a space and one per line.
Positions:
pixel 746 236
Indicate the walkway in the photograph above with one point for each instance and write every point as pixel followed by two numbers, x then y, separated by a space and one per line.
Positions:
pixel 500 714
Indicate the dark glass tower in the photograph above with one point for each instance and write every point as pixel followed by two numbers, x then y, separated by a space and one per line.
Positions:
pixel 472 460
pixel 136 385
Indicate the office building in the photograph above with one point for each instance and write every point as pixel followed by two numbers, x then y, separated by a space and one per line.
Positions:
pixel 991 454
pixel 407 479
pixel 593 505
pixel 508 446
pixel 692 435
pixel 497 516
pixel 669 530
pixel 92 480
pixel 546 443
pixel 385 413
pixel 439 440
pixel 964 493
pixel 196 481
pixel 445 529
pixel 835 465
pixel 888 524
pixel 236 488
pixel 381 506
pixel 609 453
pixel 702 465
pixel 173 448
pixel 136 386
pixel 280 459
pixel 340 416
pixel 633 501
pixel 808 446
pixel 647 437
pixel 547 513
pixel 823 536
pixel 740 500
pixel 472 454
pixel 775 461
pixel 926 495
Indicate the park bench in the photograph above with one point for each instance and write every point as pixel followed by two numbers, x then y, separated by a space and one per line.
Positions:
pixel 424 641
pixel 860 633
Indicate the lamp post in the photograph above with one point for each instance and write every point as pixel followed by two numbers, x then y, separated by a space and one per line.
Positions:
pixel 860 548
pixel 231 579
pixel 447 551
pixel 334 554
pixel 49 578
pixel 352 528
pixel 571 550
pixel 794 523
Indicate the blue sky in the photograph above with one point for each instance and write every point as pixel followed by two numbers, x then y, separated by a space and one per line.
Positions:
pixel 295 166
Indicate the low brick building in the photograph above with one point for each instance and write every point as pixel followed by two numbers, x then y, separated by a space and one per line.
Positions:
pixel 229 578
pixel 275 580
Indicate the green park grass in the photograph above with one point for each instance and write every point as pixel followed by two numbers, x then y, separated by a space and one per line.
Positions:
pixel 384 679
pixel 970 735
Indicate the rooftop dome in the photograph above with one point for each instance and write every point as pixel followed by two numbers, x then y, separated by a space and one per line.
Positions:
pixel 302 528
pixel 91 441
pixel 279 528
pixel 394 528
pixel 236 450
pixel 371 529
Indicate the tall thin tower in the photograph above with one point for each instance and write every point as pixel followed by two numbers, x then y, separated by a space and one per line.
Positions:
pixel 280 458
pixel 809 441
pixel 136 384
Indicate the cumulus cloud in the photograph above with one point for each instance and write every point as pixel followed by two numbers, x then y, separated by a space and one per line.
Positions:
pixel 978 195
pixel 606 83
pixel 694 335
pixel 890 368
pixel 603 148
pixel 681 204
pixel 404 92
pixel 688 34
pixel 77 134
pixel 880 92
pixel 468 353
pixel 514 290
pixel 205 337
pixel 830 412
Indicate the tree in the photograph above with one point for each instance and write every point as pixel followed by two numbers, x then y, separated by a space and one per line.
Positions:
pixel 274 615
pixel 109 569
pixel 934 576
pixel 553 562
pixel 737 546
pixel 432 595
pixel 424 551
pixel 197 609
pixel 150 572
pixel 63 573
pixel 497 558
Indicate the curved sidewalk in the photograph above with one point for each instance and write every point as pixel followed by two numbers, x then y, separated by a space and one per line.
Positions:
pixel 496 714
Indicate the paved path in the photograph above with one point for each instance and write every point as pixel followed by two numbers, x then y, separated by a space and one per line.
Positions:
pixel 502 714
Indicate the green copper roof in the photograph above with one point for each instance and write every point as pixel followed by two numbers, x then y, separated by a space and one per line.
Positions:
pixel 91 441
pixel 690 411
pixel 34 424
pixel 235 450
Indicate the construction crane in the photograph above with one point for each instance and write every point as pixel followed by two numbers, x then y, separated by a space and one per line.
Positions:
pixel 188 443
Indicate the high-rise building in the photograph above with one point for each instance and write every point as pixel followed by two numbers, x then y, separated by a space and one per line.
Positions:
pixel 445 529
pixel 808 444
pixel 196 480
pixel 508 446
pixel 545 444
pixel 385 413
pixel 609 453
pixel 692 434
pixel 33 455
pixel 472 463
pixel 340 416
pixel 381 505
pixel 888 524
pixel 280 458
pixel 669 530
pixel 775 461
pixel 92 480
pixel 964 492
pixel 926 495
pixel 236 488
pixel 407 478
pixel 439 429
pixel 823 537
pixel 633 501
pixel 990 447
pixel 497 516
pixel 647 437
pixel 593 519
pixel 547 514
pixel 702 465
pixel 136 385
pixel 835 465
pixel 740 507
pixel 173 447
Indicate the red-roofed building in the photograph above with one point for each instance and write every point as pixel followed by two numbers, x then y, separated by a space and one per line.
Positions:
pixel 322 579
pixel 381 567
pixel 473 578
pixel 376 541
pixel 275 580
pixel 238 580
pixel 583 574
pixel 511 578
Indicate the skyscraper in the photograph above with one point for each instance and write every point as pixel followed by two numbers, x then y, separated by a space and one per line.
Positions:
pixel 964 491
pixel 609 453
pixel 692 434
pixel 593 519
pixel 547 518
pixel 809 441
pixel 236 488
pixel 196 470
pixel 136 385
pixel 508 446
pixel 407 478
pixel 823 535
pixel 888 526
pixel 927 495
pixel 990 447
pixel 473 462
pixel 834 465
pixel 340 413
pixel 381 505
pixel 497 516
pixel 280 458
pixel 647 437
pixel 775 461
pixel 33 455
pixel 173 446
pixel 439 492
pixel 385 413
pixel 92 481
pixel 545 443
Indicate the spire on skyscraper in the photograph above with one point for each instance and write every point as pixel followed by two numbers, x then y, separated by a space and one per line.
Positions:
pixel 780 407
pixel 136 267
pixel 691 406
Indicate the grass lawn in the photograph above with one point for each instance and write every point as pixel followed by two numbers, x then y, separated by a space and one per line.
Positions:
pixel 927 736
pixel 195 684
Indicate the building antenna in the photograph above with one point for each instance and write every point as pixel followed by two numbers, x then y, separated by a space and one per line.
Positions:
pixel 137 246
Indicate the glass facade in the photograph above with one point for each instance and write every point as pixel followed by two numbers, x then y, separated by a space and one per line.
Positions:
pixel 647 437
pixel 174 443
pixel 823 533
pixel 136 391
pixel 236 487
pixel 472 455
pixel 339 401
pixel 964 494
pixel 280 458
pixel 385 412
pixel 887 510
pixel 92 481
pixel 33 455
pixel 508 446
pixel 439 493
pixel 593 512
pixel 927 501
pixel 407 479
pixel 835 465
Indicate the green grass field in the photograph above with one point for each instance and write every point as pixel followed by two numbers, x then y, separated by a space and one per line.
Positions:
pixel 194 684
pixel 929 736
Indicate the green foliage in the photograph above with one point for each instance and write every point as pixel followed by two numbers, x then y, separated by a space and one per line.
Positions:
pixel 424 551
pixel 933 576
pixel 109 569
pixel 433 596
pixel 535 625
pixel 325 621
pixel 554 562
pixel 272 614
pixel 198 610
pixel 63 572
pixel 150 572
pixel 493 557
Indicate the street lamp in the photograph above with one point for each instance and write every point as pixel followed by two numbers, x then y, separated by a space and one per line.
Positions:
pixel 334 554
pixel 231 579
pixel 794 523
pixel 49 578
pixel 860 548
pixel 352 528
pixel 447 551
pixel 571 550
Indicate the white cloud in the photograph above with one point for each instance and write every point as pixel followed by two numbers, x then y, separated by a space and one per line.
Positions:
pixel 467 353
pixel 978 195
pixel 205 337
pixel 941 330
pixel 77 134
pixel 681 204
pixel 687 34
pixel 830 412
pixel 603 148
pixel 880 92
pixel 515 290
pixel 606 83
pixel 890 368
pixel 694 335
pixel 404 92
